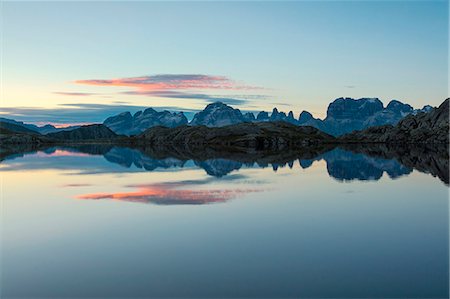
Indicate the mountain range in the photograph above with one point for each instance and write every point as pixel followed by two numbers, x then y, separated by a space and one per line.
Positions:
pixel 344 115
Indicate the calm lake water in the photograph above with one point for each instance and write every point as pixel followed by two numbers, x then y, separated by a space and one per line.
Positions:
pixel 122 224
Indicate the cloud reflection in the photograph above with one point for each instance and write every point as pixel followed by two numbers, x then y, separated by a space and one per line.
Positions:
pixel 173 193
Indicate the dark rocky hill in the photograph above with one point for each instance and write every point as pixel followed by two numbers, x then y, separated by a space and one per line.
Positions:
pixel 16 128
pixel 259 135
pixel 89 132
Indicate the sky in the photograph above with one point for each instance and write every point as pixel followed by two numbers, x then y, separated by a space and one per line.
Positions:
pixel 80 62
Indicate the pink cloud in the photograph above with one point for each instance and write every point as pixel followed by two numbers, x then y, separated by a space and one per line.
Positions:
pixel 165 82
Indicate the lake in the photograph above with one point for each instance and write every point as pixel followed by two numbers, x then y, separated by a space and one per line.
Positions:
pixel 84 222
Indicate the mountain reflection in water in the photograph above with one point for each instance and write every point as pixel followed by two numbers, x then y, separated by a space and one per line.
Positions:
pixel 344 163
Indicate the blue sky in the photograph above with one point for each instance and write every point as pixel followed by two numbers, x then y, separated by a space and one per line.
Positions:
pixel 254 55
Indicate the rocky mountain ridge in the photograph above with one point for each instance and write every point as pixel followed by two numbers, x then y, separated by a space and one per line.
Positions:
pixel 423 127
pixel 344 115
pixel 127 124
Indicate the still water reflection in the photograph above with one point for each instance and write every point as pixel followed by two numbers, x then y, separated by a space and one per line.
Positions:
pixel 328 222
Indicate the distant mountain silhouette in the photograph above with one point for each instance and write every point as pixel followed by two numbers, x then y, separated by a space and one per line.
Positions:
pixel 41 130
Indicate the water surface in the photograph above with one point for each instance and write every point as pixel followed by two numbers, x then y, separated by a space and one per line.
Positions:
pixel 118 222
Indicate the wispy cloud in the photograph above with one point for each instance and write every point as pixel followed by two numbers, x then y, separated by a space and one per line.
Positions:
pixel 76 94
pixel 170 86
pixel 171 82
pixel 195 96
pixel 76 185
pixel 181 86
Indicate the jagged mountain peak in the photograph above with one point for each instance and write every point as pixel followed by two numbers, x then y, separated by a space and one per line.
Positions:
pixel 345 108
pixel 249 116
pixel 149 111
pixel 262 116
pixel 398 106
pixel 218 114
pixel 216 104
pixel 125 123
pixel 304 116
